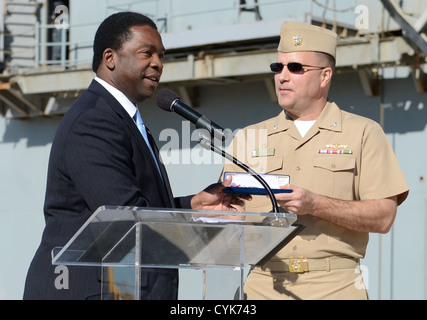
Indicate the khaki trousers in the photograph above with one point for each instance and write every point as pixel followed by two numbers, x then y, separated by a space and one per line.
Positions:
pixel 341 284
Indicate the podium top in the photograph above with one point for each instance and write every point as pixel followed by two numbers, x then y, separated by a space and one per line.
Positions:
pixel 176 238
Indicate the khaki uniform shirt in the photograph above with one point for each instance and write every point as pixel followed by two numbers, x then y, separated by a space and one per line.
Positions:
pixel 343 156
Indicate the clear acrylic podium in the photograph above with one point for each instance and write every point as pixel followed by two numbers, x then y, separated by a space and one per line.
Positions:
pixel 125 240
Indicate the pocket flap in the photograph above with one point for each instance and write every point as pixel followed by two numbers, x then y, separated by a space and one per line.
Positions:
pixel 335 162
pixel 265 164
pixel 274 164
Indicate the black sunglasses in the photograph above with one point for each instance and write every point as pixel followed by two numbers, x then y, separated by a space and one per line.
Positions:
pixel 294 67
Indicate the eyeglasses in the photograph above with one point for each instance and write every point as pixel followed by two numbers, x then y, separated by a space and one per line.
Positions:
pixel 294 67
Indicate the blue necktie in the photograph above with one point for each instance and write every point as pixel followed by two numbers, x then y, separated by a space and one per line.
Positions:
pixel 140 124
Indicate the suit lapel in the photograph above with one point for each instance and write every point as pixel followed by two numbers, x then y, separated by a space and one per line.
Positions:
pixel 162 181
pixel 162 167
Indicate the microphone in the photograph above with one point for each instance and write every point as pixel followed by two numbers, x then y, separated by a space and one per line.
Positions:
pixel 169 101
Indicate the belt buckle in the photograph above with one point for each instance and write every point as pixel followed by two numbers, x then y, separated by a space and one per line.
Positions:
pixel 298 265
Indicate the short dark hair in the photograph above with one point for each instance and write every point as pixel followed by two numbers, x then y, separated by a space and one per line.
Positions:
pixel 114 31
pixel 328 59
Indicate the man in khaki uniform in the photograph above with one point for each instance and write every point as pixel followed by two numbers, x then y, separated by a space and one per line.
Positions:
pixel 345 179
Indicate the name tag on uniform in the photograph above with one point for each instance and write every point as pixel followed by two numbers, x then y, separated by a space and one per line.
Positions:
pixel 263 152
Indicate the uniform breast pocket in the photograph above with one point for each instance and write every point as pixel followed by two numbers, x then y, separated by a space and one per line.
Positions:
pixel 270 165
pixel 336 175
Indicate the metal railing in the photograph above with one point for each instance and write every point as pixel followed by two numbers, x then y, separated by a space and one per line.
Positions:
pixel 60 51
pixel 56 50
pixel 53 48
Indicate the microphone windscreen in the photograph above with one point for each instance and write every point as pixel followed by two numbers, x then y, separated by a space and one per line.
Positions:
pixel 164 99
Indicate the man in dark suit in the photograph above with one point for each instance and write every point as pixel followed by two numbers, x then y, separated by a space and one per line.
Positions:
pixel 99 157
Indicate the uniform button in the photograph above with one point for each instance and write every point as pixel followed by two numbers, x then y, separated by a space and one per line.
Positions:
pixel 333 166
pixel 298 168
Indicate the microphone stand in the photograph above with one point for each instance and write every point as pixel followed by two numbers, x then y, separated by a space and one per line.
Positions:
pixel 208 144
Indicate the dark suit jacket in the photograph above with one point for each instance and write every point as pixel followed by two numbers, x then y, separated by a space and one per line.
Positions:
pixel 98 157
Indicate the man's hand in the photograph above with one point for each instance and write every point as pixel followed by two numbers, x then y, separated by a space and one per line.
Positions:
pixel 214 198
pixel 376 215
pixel 300 201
